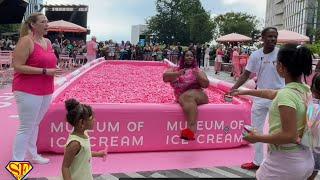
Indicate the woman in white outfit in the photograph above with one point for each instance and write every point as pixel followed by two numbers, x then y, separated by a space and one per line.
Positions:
pixel 207 58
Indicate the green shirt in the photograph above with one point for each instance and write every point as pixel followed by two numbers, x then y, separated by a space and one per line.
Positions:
pixel 292 95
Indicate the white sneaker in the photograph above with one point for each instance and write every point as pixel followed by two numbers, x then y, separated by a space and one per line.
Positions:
pixel 39 160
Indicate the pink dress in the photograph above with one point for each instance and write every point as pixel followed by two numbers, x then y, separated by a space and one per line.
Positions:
pixel 185 82
pixel 236 64
pixel 91 50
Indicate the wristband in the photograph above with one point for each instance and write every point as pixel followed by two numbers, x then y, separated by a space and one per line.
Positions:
pixel 44 71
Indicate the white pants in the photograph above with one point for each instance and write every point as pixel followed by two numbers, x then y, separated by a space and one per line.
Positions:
pixel 258 116
pixel 31 110
pixel 206 61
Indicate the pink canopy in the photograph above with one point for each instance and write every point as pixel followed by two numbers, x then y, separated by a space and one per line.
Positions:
pixel 233 37
pixel 286 36
pixel 64 26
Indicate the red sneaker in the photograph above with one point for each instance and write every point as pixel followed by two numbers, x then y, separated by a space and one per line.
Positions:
pixel 249 166
pixel 187 134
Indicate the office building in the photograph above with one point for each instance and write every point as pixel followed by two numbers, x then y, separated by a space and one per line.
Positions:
pixel 295 15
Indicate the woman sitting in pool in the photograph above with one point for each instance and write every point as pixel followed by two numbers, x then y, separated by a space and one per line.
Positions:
pixel 188 82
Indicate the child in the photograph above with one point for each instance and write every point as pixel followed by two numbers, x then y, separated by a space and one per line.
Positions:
pixel 77 156
pixel 314 115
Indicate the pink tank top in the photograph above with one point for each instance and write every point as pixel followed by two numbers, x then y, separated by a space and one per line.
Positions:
pixel 185 82
pixel 37 84
pixel 91 48
pixel 235 57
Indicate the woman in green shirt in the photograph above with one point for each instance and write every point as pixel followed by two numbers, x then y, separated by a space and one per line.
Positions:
pixel 286 159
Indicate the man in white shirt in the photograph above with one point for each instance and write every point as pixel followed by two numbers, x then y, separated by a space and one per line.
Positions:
pixel 263 63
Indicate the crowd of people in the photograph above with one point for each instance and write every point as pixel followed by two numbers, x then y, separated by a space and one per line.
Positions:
pixel 280 93
pixel 7 44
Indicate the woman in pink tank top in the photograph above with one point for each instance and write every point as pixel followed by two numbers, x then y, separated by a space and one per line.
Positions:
pixel 34 64
pixel 188 82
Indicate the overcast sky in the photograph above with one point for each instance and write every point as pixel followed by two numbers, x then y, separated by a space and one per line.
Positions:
pixel 112 19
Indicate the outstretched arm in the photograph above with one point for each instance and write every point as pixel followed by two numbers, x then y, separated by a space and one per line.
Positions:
pixel 243 78
pixel 262 93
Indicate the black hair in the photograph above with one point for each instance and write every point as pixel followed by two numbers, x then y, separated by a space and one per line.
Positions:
pixel 265 30
pixel 77 111
pixel 315 86
pixel 182 60
pixel 297 60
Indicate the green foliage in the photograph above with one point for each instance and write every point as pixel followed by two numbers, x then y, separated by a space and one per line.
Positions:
pixel 232 22
pixel 315 48
pixel 9 28
pixel 181 21
pixel 201 28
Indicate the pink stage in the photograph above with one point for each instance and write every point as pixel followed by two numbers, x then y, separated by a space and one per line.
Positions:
pixel 138 161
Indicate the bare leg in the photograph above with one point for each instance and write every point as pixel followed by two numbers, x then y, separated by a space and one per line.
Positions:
pixel 189 102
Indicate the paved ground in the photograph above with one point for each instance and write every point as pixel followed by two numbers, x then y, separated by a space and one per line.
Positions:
pixel 214 172
pixel 221 76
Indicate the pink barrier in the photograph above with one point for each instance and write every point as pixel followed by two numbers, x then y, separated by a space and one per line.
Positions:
pixel 149 127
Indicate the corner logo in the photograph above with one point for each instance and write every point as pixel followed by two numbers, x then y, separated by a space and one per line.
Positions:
pixel 19 169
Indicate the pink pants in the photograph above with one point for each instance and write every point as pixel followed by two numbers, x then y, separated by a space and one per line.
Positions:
pixel 236 69
pixel 286 166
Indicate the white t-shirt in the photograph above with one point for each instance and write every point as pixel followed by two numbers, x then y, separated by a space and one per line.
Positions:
pixel 264 65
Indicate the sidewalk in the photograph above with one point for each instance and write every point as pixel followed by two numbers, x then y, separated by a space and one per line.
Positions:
pixel 225 76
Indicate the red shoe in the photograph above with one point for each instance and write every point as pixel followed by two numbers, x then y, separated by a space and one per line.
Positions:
pixel 187 134
pixel 249 166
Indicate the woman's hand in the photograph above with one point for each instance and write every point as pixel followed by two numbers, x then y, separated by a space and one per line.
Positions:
pixel 251 137
pixel 101 154
pixel 54 72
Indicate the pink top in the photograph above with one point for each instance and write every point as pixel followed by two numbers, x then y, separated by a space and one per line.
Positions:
pixel 37 84
pixel 220 52
pixel 235 57
pixel 91 48
pixel 185 82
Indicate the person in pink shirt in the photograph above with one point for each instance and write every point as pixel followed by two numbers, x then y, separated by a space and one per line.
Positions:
pixel 236 63
pixel 188 82
pixel 243 61
pixel 34 64
pixel 92 48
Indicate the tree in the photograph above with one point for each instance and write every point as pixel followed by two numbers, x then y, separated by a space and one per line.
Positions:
pixel 240 23
pixel 176 21
pixel 9 28
pixel 201 28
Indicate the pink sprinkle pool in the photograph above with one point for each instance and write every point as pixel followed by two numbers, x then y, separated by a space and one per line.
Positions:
pixel 127 83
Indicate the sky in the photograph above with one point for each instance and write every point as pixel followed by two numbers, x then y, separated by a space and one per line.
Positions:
pixel 112 19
